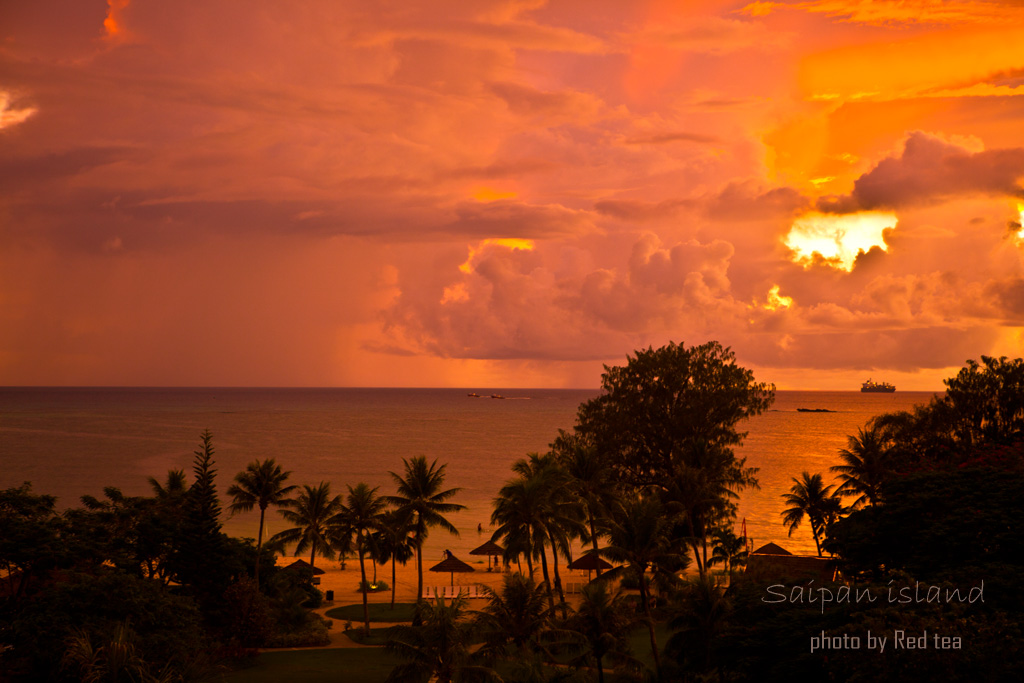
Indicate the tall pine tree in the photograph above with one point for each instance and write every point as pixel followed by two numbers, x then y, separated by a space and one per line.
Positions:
pixel 203 564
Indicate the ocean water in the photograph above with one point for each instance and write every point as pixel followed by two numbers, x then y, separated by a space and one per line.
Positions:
pixel 74 441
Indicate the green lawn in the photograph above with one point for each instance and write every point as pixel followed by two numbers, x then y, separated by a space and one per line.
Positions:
pixel 352 665
pixel 640 642
pixel 379 611
pixel 378 636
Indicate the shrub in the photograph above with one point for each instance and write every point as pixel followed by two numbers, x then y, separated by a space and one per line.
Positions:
pixel 311 634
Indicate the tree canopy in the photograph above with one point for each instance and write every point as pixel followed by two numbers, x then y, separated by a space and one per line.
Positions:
pixel 654 408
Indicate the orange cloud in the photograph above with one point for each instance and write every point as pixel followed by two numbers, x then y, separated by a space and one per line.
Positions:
pixel 931 169
pixel 9 115
pixel 113 23
pixel 914 65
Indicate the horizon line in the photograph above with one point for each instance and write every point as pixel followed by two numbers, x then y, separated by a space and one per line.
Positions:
pixel 404 388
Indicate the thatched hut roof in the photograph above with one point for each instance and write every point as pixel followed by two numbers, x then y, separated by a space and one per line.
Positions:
pixel 451 564
pixel 302 564
pixel 770 549
pixel 788 568
pixel 490 548
pixel 591 561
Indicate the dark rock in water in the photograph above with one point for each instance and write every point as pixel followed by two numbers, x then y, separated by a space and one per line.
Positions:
pixel 814 410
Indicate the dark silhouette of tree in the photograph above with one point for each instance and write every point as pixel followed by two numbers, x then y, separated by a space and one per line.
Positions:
pixel 700 491
pixel 865 467
pixel 638 537
pixel 395 542
pixel 421 494
pixel 729 549
pixel 559 513
pixel 589 477
pixel 519 518
pixel 200 559
pixel 262 484
pixel 987 401
pixel 438 647
pixel 175 485
pixel 114 659
pixel 662 401
pixel 30 542
pixel 605 620
pixel 810 498
pixel 204 506
pixel 310 513
pixel 361 516
pixel 515 624
pixel 701 616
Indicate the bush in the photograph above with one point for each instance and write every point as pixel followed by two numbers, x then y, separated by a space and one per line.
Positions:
pixel 249 614
pixel 312 633
pixel 167 628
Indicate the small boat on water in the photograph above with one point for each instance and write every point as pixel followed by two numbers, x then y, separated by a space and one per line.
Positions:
pixel 497 396
pixel 473 395
pixel 871 387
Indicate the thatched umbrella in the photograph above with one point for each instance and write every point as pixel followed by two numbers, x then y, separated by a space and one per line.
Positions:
pixel 490 549
pixel 452 564
pixel 590 561
pixel 302 564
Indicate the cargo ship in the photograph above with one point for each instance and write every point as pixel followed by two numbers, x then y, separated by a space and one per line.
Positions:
pixel 871 387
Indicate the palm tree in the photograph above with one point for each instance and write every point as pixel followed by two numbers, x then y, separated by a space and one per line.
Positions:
pixel 559 513
pixel 604 620
pixel 702 615
pixel 438 648
pixel 117 659
pixel 261 484
pixel 729 549
pixel 310 512
pixel 519 513
pixel 589 477
pixel 866 467
pixel 701 489
pixel 420 495
pixel 811 498
pixel 638 536
pixel 394 542
pixel 516 622
pixel 176 485
pixel 164 525
pixel 361 516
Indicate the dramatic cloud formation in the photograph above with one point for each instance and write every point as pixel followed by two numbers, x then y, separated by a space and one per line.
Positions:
pixel 506 192
pixel 932 170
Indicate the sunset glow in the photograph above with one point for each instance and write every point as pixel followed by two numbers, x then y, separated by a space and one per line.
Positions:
pixel 506 189
pixel 510 243
pixel 776 301
pixel 10 115
pixel 487 194
pixel 838 239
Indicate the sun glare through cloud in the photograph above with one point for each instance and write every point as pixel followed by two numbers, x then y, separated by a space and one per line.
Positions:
pixel 512 243
pixel 838 238
pixel 489 194
pixel 777 301
pixel 503 183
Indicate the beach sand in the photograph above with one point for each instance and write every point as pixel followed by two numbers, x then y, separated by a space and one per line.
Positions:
pixel 345 584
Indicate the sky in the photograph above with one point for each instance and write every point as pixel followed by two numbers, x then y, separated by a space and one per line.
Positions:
pixel 507 193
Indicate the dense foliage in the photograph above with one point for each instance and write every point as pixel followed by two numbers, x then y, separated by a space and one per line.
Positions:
pixel 149 588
